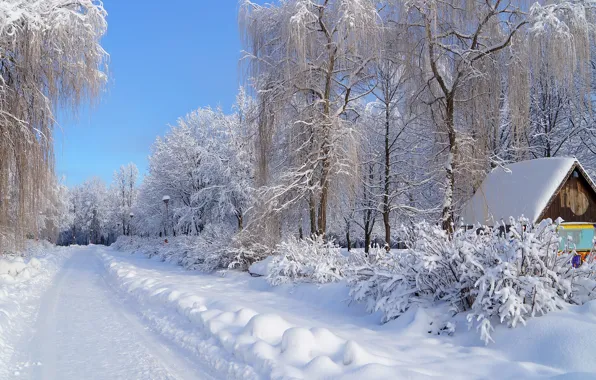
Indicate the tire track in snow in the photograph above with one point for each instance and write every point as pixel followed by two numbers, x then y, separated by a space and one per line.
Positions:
pixel 174 361
pixel 84 331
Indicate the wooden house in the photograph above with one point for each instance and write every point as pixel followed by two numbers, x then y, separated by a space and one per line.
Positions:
pixel 536 189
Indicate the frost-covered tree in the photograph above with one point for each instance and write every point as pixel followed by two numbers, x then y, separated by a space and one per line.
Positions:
pixel 476 58
pixel 310 62
pixel 124 189
pixel 90 210
pixel 50 58
pixel 204 164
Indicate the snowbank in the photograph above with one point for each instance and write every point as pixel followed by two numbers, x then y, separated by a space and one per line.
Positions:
pixel 256 344
pixel 261 268
pixel 242 327
pixel 22 282
pixel 16 269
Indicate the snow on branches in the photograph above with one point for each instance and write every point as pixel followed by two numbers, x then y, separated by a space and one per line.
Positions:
pixel 50 58
pixel 204 165
pixel 492 275
pixel 307 260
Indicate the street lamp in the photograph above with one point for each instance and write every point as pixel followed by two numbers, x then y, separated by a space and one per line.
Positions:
pixel 166 200
pixel 130 224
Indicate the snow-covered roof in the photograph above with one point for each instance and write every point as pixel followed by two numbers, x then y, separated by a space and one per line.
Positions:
pixel 524 188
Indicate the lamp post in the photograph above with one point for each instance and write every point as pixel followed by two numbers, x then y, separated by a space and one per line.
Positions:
pixel 130 225
pixel 166 200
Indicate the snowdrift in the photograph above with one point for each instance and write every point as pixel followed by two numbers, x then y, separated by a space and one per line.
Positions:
pixel 259 344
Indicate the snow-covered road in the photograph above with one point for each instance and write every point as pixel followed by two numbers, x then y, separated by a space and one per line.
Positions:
pixel 85 330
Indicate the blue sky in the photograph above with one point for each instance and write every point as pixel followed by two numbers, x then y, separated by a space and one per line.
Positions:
pixel 166 59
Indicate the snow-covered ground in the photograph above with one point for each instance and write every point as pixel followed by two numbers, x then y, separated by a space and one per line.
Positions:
pixel 240 325
pixel 86 331
pixel 23 281
pixel 112 315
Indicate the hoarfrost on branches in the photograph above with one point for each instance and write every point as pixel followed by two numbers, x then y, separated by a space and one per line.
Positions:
pixel 50 58
pixel 492 275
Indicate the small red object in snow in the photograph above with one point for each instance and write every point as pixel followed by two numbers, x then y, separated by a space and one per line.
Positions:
pixel 166 241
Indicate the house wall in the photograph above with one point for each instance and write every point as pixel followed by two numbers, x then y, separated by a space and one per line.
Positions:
pixel 575 202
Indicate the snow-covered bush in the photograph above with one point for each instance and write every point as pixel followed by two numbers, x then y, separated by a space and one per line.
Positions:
pixel 384 281
pixel 215 249
pixel 21 267
pixel 204 253
pixel 244 256
pixel 428 272
pixel 495 276
pixel 306 260
pixel 523 275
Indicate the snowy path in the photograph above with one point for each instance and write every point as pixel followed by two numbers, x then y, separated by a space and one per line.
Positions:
pixel 85 331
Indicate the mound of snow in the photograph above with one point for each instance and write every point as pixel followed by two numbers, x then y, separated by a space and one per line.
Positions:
pixel 265 342
pixel 15 269
pixel 562 339
pixel 261 268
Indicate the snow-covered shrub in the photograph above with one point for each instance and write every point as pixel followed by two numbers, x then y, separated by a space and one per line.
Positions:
pixel 428 272
pixel 18 268
pixel 306 260
pixel 243 257
pixel 495 276
pixel 382 281
pixel 207 252
pixel 523 275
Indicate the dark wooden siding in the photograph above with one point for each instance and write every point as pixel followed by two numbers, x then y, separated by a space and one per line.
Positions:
pixel 575 202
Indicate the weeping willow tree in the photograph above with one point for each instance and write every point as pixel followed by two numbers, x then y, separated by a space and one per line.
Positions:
pixel 50 59
pixel 310 62
pixel 477 59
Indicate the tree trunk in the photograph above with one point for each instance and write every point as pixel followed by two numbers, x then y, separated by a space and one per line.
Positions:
pixel 386 206
pixel 367 233
pixel 326 144
pixel 348 241
pixel 322 220
pixel 240 221
pixel 448 217
pixel 312 215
